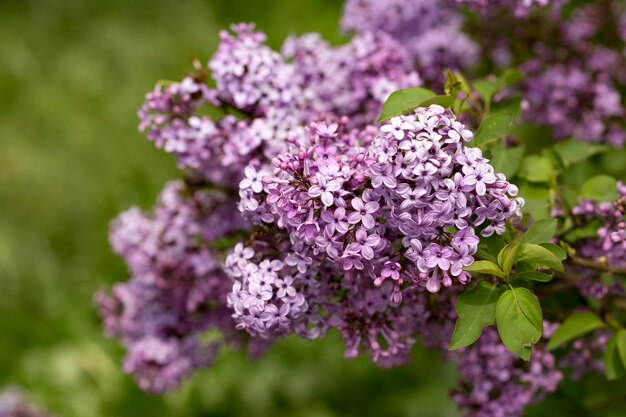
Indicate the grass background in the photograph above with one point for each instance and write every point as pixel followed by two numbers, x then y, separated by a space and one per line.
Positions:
pixel 72 74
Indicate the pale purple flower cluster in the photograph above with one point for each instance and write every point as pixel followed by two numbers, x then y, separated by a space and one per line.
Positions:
pixel 571 65
pixel 495 383
pixel 13 403
pixel 178 287
pixel 576 102
pixel 520 7
pixel 586 355
pixel 262 97
pixel 383 214
pixel 429 29
pixel 608 247
pixel 351 79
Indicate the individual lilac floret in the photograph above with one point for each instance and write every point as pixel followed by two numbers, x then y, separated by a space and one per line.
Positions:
pixel 429 29
pixel 496 383
pixel 178 288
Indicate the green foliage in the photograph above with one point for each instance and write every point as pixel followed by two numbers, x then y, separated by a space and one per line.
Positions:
pixel 575 326
pixel 404 101
pixel 519 321
pixel 573 151
pixel 536 255
pixel 533 276
pixel 536 168
pixel 599 188
pixel 493 128
pixel 486 267
pixel 476 308
pixel 507 160
pixel 509 254
pixel 613 365
pixel 541 231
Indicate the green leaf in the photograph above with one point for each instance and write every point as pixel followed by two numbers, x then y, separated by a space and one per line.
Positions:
pixel 537 255
pixel 537 168
pixel 489 247
pixel 573 151
pixel 485 267
pixel 509 254
pixel 404 101
pixel 613 365
pixel 588 231
pixel 476 308
pixel 574 327
pixel 533 276
pixel 557 251
pixel 443 101
pixel 541 231
pixel 536 200
pixel 621 345
pixel 600 188
pixel 519 320
pixel 493 128
pixel 507 160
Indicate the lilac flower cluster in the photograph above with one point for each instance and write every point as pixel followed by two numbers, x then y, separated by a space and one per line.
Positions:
pixel 178 288
pixel 608 248
pixel 586 355
pixel 496 383
pixel 262 99
pixel 352 79
pixel 14 404
pixel 520 7
pixel 383 214
pixel 571 64
pixel 435 43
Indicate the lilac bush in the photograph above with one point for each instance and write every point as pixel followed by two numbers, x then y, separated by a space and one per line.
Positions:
pixel 326 187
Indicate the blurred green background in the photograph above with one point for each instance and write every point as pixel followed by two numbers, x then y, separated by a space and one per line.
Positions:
pixel 72 75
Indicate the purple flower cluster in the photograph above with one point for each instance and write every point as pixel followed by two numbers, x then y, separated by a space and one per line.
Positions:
pixel 352 79
pixel 383 214
pixel 520 7
pixel 435 43
pixel 571 64
pixel 178 288
pixel 494 383
pixel 609 247
pixel 14 404
pixel 263 97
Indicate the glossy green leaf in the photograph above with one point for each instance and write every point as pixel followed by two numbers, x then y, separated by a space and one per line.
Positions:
pixel 404 101
pixel 536 168
pixel 620 339
pixel 507 160
pixel 575 326
pixel 476 309
pixel 489 247
pixel 493 128
pixel 558 251
pixel 541 231
pixel 600 188
pixel 574 151
pixel 443 101
pixel 509 254
pixel 485 267
pixel 613 365
pixel 519 321
pixel 534 276
pixel 537 255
